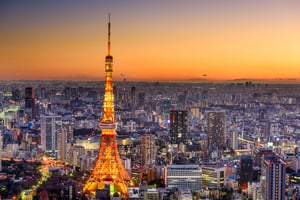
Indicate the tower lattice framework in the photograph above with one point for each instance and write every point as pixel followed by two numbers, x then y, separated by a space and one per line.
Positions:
pixel 109 169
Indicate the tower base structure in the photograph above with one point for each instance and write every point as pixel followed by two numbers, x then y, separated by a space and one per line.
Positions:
pixel 109 169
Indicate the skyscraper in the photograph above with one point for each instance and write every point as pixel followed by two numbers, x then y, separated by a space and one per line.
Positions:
pixel 29 103
pixel 272 178
pixel 178 127
pixel 141 99
pixel 298 103
pixel 246 170
pixel 1 143
pixel 109 169
pixel 43 93
pixel 50 129
pixel 233 139
pixel 62 144
pixel 133 100
pixel 68 127
pixel 216 129
pixel 148 149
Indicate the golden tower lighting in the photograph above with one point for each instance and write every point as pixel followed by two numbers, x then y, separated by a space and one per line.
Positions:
pixel 109 169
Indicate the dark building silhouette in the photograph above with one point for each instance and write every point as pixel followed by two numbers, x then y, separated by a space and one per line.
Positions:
pixel 16 95
pixel 69 190
pixel 298 103
pixel 43 93
pixel 132 98
pixel 103 194
pixel 141 99
pixel 29 103
pixel 67 92
pixel 178 126
pixel 246 170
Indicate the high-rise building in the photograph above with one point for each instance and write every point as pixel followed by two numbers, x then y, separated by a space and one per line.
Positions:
pixel 109 169
pixel 132 98
pixel 213 177
pixel 1 134
pixel 148 149
pixel 216 129
pixel 272 178
pixel 179 127
pixel 181 101
pixel 188 176
pixel 1 143
pixel 69 128
pixel 67 92
pixel 298 103
pixel 16 95
pixel 73 155
pixel 272 130
pixel 50 129
pixel 43 93
pixel 166 106
pixel 234 142
pixel 246 169
pixel 141 99
pixel 62 144
pixel 29 103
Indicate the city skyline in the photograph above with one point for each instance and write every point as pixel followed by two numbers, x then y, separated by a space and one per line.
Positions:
pixel 200 40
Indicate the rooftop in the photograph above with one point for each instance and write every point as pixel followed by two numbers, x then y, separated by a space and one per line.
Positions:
pixel 183 166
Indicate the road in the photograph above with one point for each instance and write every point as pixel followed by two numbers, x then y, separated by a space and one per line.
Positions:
pixel 44 170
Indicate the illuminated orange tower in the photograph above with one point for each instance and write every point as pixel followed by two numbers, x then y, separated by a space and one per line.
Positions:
pixel 109 169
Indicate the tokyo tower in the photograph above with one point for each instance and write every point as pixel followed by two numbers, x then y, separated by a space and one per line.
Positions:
pixel 109 169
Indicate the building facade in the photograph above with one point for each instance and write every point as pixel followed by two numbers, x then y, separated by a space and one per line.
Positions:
pixel 246 170
pixel 216 129
pixel 272 178
pixel 187 176
pixel 29 103
pixel 213 177
pixel 179 127
pixel 50 129
pixel 148 149
pixel 62 145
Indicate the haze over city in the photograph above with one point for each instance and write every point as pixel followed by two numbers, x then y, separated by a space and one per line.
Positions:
pixel 152 40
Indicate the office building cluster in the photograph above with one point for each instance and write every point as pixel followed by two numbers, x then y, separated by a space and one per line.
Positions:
pixel 175 140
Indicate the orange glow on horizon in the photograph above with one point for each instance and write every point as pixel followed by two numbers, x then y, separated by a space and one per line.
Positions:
pixel 241 43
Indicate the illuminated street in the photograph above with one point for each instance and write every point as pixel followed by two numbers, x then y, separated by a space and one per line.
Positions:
pixel 44 170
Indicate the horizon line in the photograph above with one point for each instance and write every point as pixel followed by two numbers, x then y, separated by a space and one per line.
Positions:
pixel 192 80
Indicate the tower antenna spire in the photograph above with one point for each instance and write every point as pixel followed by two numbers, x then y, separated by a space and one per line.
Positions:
pixel 109 34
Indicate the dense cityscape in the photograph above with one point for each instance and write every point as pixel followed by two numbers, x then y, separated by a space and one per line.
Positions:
pixel 176 140
pixel 115 138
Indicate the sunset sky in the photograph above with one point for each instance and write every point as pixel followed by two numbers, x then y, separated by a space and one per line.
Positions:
pixel 151 40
